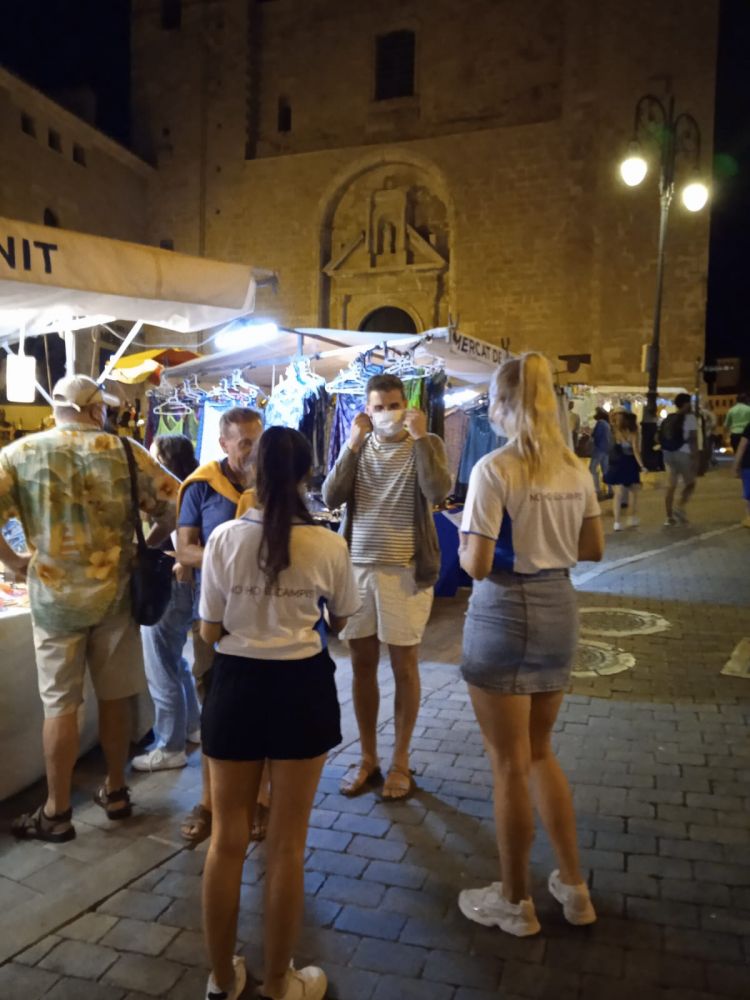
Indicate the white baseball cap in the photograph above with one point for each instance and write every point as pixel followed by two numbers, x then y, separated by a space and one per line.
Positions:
pixel 80 391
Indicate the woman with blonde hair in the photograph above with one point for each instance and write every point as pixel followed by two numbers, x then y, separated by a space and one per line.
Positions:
pixel 531 513
pixel 625 467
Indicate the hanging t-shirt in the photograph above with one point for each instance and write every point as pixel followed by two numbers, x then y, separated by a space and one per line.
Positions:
pixel 536 527
pixel 283 621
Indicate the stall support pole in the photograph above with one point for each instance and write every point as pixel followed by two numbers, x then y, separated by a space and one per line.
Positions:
pixel 70 352
pixel 132 334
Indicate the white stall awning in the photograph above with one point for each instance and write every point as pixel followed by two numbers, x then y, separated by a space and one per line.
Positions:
pixel 55 279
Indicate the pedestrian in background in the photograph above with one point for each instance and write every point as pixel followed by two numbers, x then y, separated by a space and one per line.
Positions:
pixel 266 578
pixel 574 423
pixel 531 513
pixel 678 437
pixel 601 440
pixel 736 420
pixel 742 470
pixel 170 680
pixel 625 467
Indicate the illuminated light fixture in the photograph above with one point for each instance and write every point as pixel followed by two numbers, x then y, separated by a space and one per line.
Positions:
pixel 694 196
pixel 633 168
pixel 722 451
pixel 239 335
pixel 663 413
pixel 607 406
pixel 20 377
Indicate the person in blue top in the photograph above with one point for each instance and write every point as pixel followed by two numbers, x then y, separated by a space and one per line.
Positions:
pixel 212 495
pixel 531 513
pixel 601 440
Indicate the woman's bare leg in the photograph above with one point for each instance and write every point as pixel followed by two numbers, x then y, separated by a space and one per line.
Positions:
pixel 293 783
pixel 234 784
pixel 504 721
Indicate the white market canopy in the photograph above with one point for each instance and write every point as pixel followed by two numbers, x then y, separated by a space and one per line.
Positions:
pixel 53 280
pixel 463 358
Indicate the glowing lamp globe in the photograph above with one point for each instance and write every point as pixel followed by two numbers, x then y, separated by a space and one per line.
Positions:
pixel 633 170
pixel 694 196
pixel 20 378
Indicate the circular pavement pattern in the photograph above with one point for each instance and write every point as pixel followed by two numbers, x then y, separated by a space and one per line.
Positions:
pixel 600 659
pixel 620 622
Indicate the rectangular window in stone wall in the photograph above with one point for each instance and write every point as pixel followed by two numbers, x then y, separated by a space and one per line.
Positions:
pixel 54 140
pixel 394 65
pixel 284 116
pixel 166 244
pixel 27 124
pixel 171 14
pixel 79 154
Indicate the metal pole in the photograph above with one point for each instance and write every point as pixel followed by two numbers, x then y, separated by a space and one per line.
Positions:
pixel 653 458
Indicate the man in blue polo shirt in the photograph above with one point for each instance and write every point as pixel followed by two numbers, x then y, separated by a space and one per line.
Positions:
pixel 213 494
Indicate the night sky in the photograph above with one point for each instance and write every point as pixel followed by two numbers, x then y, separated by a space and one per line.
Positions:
pixel 58 44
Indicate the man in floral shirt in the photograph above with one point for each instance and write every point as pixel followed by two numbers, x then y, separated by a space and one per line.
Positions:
pixel 70 488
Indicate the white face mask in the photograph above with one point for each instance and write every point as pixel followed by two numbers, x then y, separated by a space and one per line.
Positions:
pixel 388 423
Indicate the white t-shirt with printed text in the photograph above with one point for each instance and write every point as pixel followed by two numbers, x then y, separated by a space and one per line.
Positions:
pixel 285 621
pixel 534 527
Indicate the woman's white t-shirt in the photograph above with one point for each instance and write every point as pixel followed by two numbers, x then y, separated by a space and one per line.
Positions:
pixel 285 621
pixel 534 527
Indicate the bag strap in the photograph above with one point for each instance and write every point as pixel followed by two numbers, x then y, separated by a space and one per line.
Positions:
pixel 134 493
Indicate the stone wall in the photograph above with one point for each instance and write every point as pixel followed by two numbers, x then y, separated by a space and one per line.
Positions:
pixel 90 183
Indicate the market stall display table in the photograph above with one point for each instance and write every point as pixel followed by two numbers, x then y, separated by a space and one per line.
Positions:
pixel 447 524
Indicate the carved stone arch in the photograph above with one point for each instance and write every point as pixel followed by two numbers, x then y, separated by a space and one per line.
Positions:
pixel 385 239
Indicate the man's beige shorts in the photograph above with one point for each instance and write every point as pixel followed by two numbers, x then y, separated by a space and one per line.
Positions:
pixel 393 607
pixel 112 651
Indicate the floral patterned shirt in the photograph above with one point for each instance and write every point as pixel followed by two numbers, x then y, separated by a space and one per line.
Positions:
pixel 70 488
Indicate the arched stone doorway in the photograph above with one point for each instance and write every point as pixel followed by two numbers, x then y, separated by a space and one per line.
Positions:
pixel 386 238
pixel 388 319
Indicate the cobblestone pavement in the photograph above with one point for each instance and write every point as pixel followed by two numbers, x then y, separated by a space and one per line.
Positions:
pixel 659 760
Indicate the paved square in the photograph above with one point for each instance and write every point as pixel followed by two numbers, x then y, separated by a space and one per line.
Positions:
pixel 659 759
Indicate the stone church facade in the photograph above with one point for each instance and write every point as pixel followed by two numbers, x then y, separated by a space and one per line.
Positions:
pixel 420 161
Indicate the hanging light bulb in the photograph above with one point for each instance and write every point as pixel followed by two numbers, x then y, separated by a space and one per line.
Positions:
pixel 694 196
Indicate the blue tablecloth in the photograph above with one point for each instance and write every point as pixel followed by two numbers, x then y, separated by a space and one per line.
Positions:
pixel 451 575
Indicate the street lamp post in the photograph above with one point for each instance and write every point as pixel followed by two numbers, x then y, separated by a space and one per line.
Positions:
pixel 672 135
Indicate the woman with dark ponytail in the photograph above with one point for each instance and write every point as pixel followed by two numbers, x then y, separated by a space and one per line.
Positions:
pixel 266 579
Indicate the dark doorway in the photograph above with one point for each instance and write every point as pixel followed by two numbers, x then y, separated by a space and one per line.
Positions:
pixel 388 319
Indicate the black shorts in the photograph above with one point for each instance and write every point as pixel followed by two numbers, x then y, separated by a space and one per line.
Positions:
pixel 275 709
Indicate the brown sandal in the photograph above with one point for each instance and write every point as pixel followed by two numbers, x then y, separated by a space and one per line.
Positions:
pixel 196 827
pixel 38 825
pixel 358 780
pixel 116 804
pixel 399 784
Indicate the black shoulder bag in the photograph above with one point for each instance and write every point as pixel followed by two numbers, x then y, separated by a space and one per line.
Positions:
pixel 151 575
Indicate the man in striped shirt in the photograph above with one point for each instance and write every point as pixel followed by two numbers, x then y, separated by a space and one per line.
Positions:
pixel 389 474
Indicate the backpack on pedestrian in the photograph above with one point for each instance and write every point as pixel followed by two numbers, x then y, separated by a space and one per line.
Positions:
pixel 671 432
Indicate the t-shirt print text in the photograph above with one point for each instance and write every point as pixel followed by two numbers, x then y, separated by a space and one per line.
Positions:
pixel 539 495
pixel 273 591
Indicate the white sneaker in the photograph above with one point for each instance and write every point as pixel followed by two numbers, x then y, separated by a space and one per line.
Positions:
pixel 576 902
pixel 490 908
pixel 633 522
pixel 240 981
pixel 309 983
pixel 195 736
pixel 618 526
pixel 159 760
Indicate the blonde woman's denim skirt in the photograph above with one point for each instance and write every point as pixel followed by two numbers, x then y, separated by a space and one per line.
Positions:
pixel 521 632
